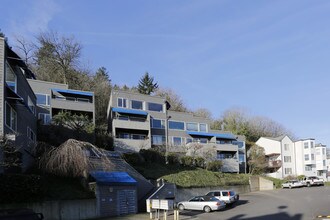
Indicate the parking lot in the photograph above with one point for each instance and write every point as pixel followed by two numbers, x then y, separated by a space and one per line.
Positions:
pixel 295 204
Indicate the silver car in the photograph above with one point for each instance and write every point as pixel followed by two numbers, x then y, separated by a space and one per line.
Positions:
pixel 292 184
pixel 228 196
pixel 202 203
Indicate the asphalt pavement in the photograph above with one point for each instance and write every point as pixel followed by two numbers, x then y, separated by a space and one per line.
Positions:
pixel 305 203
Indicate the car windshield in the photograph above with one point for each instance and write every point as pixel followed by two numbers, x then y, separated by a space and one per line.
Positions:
pixel 232 193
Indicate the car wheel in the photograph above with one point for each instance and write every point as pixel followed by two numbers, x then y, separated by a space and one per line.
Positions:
pixel 290 187
pixel 207 209
pixel 181 207
pixel 308 184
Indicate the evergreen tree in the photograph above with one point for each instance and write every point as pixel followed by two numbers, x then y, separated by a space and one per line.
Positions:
pixel 147 85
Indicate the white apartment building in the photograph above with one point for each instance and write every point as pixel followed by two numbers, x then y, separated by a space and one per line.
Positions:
pixel 293 158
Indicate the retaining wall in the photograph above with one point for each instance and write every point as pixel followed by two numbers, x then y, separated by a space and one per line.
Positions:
pixel 187 193
pixel 60 210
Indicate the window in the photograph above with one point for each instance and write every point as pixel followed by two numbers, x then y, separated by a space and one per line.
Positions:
pixel 11 117
pixel 157 123
pixel 306 145
pixel 308 168
pixel 137 104
pixel 287 159
pixel 312 157
pixel 30 134
pixel 31 105
pixel 324 163
pixel 158 139
pixel 11 78
pixel 288 170
pixel 240 144
pixel 177 141
pixel 155 107
pixel 131 136
pixel 122 103
pixel 176 125
pixel 189 140
pixel 203 140
pixel 192 126
pixel 241 157
pixel 286 147
pixel 43 99
pixel 306 156
pixel 312 144
pixel 45 118
pixel 323 151
pixel 203 127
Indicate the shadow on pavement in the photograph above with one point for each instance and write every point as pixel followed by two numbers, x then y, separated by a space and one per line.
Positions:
pixel 280 215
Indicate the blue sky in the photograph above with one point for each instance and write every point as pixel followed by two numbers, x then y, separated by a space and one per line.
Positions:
pixel 269 57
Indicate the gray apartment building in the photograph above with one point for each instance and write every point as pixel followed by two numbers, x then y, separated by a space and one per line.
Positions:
pixel 139 121
pixel 18 120
pixel 24 100
pixel 53 98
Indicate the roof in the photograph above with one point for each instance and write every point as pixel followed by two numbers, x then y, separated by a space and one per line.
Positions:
pixel 129 111
pixel 113 178
pixel 279 138
pixel 76 92
pixel 205 134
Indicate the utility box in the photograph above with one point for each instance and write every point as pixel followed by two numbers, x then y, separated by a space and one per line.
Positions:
pixel 116 193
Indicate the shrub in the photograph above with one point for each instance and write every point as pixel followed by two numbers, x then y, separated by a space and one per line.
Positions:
pixel 300 177
pixel 104 140
pixel 133 158
pixel 152 156
pixel 173 159
pixel 214 165
pixel 199 162
pixel 187 161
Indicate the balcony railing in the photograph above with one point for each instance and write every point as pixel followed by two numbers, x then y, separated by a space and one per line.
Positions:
pixel 274 163
pixel 130 118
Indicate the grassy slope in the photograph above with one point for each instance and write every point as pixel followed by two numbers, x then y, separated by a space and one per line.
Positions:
pixel 190 177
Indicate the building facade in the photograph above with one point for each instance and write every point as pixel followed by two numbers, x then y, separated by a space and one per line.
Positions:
pixel 53 98
pixel 139 121
pixel 293 158
pixel 18 120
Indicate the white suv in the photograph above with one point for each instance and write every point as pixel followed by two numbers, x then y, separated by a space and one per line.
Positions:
pixel 228 196
pixel 313 181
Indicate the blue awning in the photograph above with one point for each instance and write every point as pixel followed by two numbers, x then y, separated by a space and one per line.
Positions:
pixel 205 134
pixel 113 178
pixel 129 111
pixel 68 91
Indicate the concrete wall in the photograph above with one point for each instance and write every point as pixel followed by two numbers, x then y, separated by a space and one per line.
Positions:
pixel 260 184
pixel 188 193
pixel 61 210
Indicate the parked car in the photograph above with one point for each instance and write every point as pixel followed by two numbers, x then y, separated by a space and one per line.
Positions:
pixel 228 196
pixel 292 184
pixel 202 203
pixel 313 181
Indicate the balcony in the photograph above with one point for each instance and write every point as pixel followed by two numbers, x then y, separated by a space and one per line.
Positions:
pixel 274 164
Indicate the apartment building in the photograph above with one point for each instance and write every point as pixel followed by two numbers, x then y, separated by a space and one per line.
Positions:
pixel 139 121
pixel 293 158
pixel 17 106
pixel 53 98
